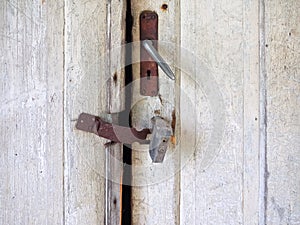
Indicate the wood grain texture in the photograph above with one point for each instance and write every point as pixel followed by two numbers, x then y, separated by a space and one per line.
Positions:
pixel 43 91
pixel 220 186
pixel 55 63
pixel 31 121
pixel 283 113
pixel 251 129
pixel 154 184
pixel 84 166
pixel 115 75
pixel 92 29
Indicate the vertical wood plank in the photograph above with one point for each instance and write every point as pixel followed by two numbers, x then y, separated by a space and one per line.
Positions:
pixel 115 72
pixel 85 91
pixel 31 96
pixel 155 191
pixel 93 84
pixel 283 124
pixel 251 84
pixel 217 186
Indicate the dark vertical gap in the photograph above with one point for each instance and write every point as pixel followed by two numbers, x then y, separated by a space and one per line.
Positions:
pixel 126 121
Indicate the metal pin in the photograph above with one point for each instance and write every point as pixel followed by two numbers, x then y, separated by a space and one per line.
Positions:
pixel 148 45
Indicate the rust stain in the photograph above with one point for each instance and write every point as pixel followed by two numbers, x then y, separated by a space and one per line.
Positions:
pixel 121 194
pixel 157 111
pixel 115 77
pixel 173 125
pixel 173 140
pixel 164 7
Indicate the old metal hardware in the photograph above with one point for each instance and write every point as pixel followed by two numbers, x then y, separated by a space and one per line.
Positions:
pixel 161 130
pixel 148 45
pixel 158 144
pixel 148 67
pixel 149 55
pixel 161 133
pixel 115 133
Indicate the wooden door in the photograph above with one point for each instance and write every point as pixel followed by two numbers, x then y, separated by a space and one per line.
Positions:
pixel 236 155
pixel 55 64
pixel 234 106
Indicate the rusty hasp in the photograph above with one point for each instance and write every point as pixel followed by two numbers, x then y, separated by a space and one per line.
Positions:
pixel 160 133
pixel 115 133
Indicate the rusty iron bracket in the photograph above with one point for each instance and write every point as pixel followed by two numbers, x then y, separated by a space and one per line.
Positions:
pixel 148 66
pixel 115 133
pixel 158 143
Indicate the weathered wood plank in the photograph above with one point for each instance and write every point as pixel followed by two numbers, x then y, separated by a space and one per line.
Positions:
pixel 251 83
pixel 31 96
pixel 217 185
pixel 283 114
pixel 116 103
pixel 155 191
pixel 94 80
pixel 84 77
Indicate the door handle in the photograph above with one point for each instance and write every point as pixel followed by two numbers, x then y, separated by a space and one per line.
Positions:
pixel 148 45
pixel 149 55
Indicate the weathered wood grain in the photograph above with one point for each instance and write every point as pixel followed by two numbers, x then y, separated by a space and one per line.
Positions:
pixel 282 50
pixel 251 126
pixel 116 12
pixel 55 63
pixel 31 119
pixel 84 164
pixel 220 186
pixel 155 191
pixel 93 84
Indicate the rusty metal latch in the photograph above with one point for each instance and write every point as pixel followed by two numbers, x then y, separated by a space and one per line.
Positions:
pixel 158 143
pixel 115 133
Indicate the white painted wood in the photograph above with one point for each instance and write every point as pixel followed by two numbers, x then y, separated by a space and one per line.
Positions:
pixel 84 166
pixel 116 12
pixel 283 112
pixel 251 138
pixel 40 182
pixel 92 29
pixel 155 191
pixel 55 64
pixel 31 116
pixel 262 116
pixel 220 187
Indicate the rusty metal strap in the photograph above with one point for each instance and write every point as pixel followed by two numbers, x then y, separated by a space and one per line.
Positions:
pixel 115 133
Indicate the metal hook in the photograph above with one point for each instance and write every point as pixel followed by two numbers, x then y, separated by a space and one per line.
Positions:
pixel 148 45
